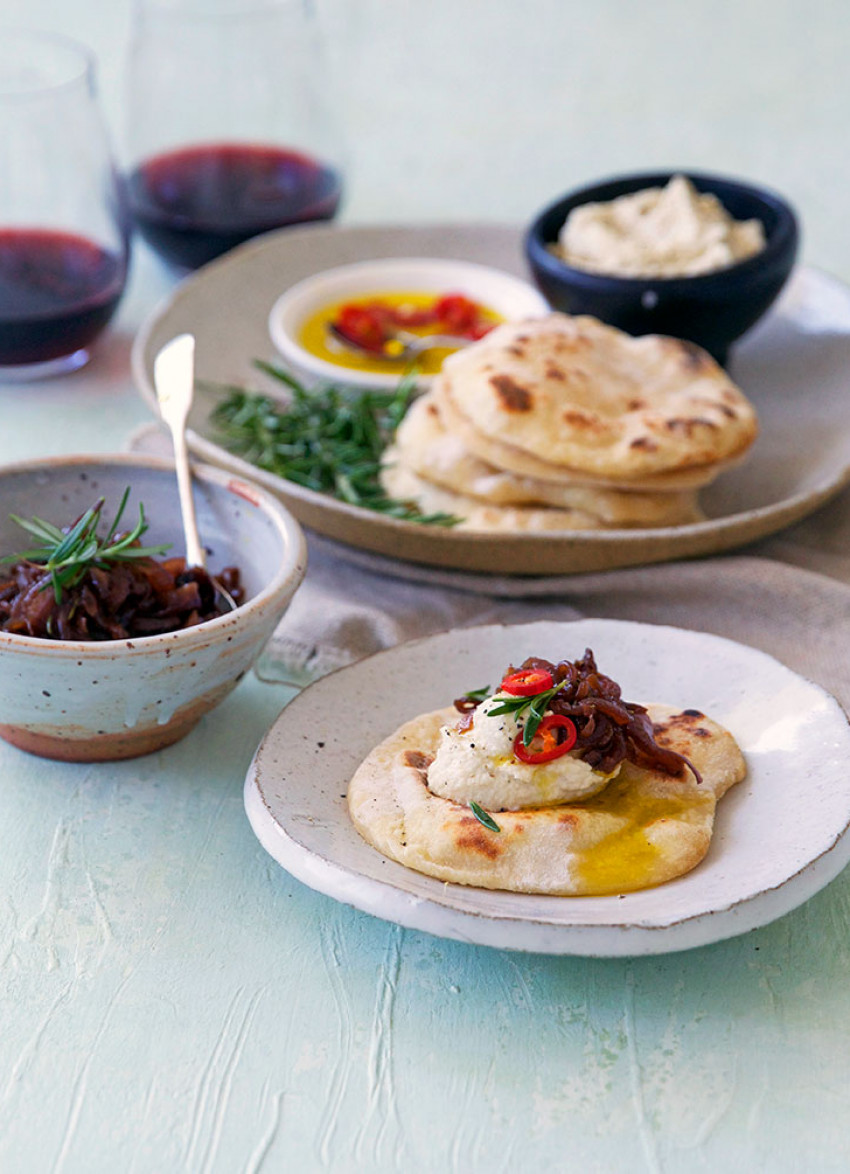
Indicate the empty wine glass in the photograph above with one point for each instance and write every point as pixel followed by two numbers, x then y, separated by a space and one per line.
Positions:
pixel 63 220
pixel 230 129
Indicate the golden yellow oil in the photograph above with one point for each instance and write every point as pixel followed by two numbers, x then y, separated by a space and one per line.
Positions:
pixel 625 860
pixel 314 336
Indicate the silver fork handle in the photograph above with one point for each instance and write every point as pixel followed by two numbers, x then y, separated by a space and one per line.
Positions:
pixel 196 556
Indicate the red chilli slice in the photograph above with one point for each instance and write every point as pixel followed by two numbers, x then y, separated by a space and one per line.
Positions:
pixel 527 682
pixel 546 744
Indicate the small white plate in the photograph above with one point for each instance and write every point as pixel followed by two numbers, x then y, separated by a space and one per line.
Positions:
pixel 780 835
pixel 509 296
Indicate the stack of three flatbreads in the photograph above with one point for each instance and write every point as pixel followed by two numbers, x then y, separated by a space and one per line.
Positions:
pixel 564 423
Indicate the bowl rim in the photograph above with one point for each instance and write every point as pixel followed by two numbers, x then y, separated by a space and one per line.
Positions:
pixel 290 349
pixel 784 235
pixel 285 580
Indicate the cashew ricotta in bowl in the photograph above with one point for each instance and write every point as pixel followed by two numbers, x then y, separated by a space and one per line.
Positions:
pixel 674 231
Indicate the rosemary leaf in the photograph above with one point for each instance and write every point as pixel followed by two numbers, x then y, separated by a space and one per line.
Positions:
pixel 67 555
pixel 483 817
pixel 120 514
pixel 532 708
pixel 39 528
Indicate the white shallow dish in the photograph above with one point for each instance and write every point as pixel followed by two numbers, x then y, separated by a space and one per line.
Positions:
pixel 780 835
pixel 509 296
pixel 793 366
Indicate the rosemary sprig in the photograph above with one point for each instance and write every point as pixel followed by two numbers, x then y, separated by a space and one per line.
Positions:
pixel 483 816
pixel 535 706
pixel 67 555
pixel 328 440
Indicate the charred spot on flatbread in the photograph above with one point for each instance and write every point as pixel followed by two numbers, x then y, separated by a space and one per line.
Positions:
pixel 688 720
pixel 417 760
pixel 513 397
pixel 471 835
pixel 693 357
pixel 579 419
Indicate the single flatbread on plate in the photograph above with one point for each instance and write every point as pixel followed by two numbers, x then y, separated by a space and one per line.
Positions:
pixel 560 396
pixel 646 827
pixel 426 459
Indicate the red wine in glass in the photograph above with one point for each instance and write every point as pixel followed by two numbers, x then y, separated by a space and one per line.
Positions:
pixel 57 292
pixel 194 204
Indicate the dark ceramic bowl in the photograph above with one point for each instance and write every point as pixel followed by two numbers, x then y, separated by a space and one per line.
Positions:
pixel 711 309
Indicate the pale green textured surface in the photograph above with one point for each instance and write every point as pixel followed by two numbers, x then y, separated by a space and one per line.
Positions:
pixel 170 999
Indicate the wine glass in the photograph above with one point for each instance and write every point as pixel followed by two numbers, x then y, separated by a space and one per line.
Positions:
pixel 64 240
pixel 229 125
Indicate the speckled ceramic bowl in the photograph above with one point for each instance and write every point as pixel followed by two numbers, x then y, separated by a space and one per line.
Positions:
pixel 96 701
pixel 711 309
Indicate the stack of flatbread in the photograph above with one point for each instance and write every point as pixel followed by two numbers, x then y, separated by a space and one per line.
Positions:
pixel 564 423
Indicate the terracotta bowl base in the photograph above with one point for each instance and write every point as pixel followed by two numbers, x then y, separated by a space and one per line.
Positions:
pixel 102 747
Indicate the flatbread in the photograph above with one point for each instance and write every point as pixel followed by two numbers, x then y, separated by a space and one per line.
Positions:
pixel 404 484
pixel 526 464
pixel 582 397
pixel 645 828
pixel 424 447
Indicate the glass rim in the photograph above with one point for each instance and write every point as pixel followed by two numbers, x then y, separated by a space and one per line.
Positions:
pixel 80 62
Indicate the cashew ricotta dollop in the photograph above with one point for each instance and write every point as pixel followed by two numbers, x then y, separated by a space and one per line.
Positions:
pixel 478 764
pixel 674 231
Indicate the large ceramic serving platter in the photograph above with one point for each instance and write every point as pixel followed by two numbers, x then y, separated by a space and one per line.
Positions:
pixel 780 835
pixel 793 366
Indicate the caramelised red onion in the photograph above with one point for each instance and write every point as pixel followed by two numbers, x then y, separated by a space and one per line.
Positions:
pixel 608 728
pixel 139 598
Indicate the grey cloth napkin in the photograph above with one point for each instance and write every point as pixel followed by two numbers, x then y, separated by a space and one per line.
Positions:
pixel 343 612
pixel 352 604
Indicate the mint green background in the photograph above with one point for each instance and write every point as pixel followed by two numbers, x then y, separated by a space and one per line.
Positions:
pixel 170 999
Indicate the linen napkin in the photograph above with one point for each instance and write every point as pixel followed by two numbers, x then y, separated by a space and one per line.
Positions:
pixel 343 612
pixel 352 604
